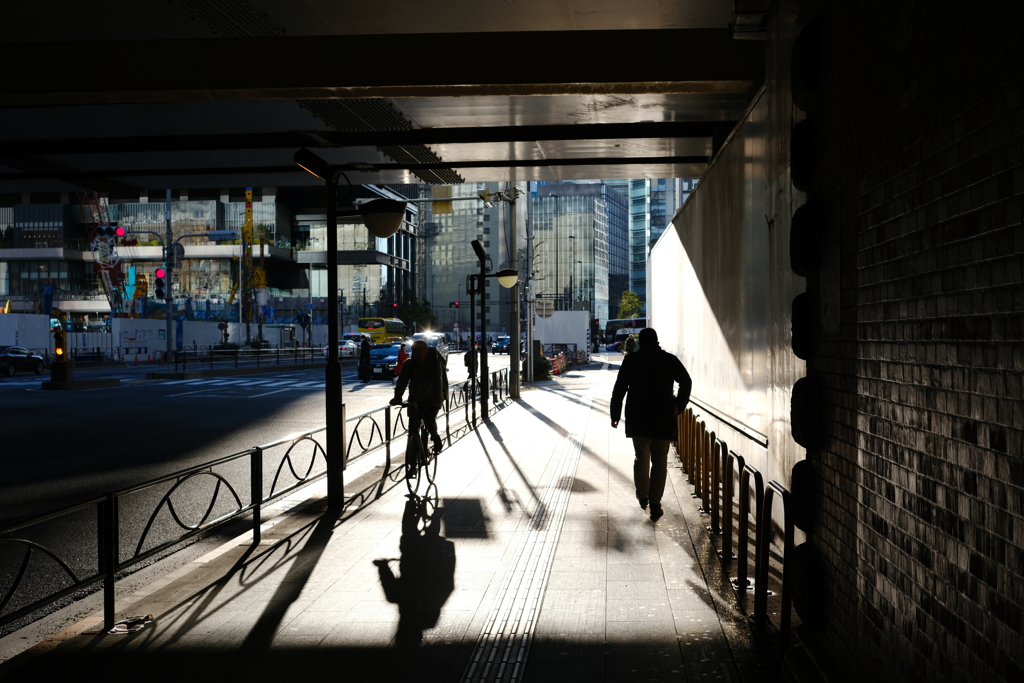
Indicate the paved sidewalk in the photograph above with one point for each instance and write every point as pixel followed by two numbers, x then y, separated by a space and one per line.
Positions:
pixel 529 561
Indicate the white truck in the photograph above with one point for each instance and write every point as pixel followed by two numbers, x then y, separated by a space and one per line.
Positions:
pixel 566 327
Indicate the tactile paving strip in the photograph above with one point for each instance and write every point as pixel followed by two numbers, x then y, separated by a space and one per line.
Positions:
pixel 504 643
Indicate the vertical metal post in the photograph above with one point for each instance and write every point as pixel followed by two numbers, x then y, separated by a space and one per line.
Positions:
pixel 529 287
pixel 108 557
pixel 471 290
pixel 387 441
pixel 169 256
pixel 718 449
pixel 332 382
pixel 484 384
pixel 513 263
pixel 729 485
pixel 256 492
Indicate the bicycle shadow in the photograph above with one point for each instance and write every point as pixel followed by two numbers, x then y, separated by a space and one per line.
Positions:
pixel 427 571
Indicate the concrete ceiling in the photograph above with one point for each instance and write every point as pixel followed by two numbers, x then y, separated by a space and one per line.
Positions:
pixel 121 94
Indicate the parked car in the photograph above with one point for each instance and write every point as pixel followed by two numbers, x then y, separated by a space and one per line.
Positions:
pixel 501 345
pixel 18 359
pixel 614 346
pixel 383 360
pixel 346 349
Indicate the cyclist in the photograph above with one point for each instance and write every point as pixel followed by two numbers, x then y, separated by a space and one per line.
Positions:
pixel 424 373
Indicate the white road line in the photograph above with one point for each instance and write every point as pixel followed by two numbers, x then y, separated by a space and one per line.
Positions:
pixel 268 393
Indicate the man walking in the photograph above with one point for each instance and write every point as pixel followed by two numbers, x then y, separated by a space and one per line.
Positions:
pixel 470 360
pixel 646 379
pixel 364 360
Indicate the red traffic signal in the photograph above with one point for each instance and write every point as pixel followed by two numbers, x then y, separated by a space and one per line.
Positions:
pixel 158 284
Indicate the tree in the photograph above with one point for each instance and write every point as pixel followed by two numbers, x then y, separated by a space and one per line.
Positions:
pixel 419 312
pixel 630 305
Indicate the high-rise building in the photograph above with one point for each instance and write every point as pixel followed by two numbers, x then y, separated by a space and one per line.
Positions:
pixel 652 205
pixel 580 258
pixel 449 258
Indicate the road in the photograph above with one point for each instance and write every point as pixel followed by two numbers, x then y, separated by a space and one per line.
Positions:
pixel 65 446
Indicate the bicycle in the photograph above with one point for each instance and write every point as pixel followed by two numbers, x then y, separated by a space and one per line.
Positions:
pixel 419 458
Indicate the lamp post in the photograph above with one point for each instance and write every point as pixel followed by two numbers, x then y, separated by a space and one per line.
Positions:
pixel 382 217
pixel 507 278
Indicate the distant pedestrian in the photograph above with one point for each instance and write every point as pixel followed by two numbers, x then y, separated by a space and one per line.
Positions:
pixel 402 357
pixel 647 381
pixel 364 360
pixel 629 346
pixel 470 360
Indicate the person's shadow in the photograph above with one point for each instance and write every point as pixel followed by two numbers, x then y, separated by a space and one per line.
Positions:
pixel 427 569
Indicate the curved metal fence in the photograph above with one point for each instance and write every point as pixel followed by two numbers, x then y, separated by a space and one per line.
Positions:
pixel 49 558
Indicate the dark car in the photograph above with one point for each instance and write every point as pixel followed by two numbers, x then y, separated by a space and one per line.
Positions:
pixel 501 346
pixel 383 359
pixel 17 359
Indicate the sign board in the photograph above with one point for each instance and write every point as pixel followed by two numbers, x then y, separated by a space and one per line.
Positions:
pixel 222 326
pixel 218 235
pixel 455 325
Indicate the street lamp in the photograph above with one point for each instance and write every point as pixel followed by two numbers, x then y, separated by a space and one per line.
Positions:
pixel 383 218
pixel 507 278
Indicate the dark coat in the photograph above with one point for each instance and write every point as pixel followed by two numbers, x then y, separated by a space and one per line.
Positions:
pixel 426 379
pixel 646 379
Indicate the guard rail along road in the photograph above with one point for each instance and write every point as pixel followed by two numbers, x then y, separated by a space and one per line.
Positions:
pixel 50 558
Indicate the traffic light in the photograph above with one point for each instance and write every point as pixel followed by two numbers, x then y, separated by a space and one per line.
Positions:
pixel 59 345
pixel 110 231
pixel 159 291
pixel 456 304
pixel 394 305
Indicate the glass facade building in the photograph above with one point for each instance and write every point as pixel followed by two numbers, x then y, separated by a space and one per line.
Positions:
pixel 450 258
pixel 652 205
pixel 579 246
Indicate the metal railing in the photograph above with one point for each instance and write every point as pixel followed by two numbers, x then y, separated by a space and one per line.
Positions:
pixel 69 551
pixel 244 357
pixel 712 468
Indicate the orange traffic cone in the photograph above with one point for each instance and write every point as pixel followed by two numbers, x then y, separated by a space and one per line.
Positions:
pixel 149 359
pixel 136 359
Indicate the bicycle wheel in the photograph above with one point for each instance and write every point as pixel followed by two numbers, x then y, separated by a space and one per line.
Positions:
pixel 414 477
pixel 429 467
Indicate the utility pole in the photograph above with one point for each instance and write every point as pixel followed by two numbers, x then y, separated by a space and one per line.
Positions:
pixel 529 284
pixel 513 259
pixel 169 256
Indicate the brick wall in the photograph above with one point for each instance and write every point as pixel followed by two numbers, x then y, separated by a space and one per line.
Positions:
pixel 918 140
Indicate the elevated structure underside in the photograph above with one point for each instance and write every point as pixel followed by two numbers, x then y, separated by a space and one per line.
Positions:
pixel 153 94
